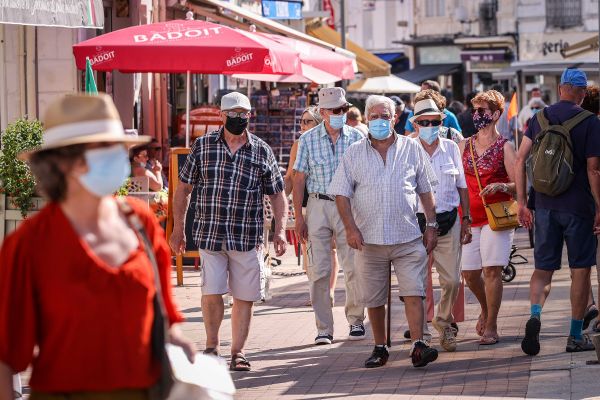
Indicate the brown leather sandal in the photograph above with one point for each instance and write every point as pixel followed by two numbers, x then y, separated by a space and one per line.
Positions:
pixel 239 363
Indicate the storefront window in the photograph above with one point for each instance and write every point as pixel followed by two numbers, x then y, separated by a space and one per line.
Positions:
pixel 435 8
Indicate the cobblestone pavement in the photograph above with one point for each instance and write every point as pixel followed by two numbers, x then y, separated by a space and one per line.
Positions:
pixel 286 364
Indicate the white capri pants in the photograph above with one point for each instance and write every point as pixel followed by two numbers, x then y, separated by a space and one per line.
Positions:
pixel 487 249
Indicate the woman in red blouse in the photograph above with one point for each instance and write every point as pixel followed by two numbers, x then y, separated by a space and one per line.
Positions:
pixel 489 250
pixel 75 281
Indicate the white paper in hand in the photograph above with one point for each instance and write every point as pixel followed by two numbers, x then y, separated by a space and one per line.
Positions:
pixel 207 378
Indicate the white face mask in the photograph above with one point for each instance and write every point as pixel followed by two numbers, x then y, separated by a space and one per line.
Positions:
pixel 108 168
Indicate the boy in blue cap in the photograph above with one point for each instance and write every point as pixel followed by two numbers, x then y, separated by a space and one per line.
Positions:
pixel 572 216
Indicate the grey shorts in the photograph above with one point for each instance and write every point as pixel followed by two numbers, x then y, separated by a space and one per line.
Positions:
pixel 230 271
pixel 372 269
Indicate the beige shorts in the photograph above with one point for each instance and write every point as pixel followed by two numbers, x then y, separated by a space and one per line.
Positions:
pixel 230 271
pixel 372 269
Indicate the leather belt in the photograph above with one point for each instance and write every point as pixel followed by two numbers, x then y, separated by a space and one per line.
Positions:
pixel 322 196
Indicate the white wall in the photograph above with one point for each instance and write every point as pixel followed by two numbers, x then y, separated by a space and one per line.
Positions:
pixel 23 89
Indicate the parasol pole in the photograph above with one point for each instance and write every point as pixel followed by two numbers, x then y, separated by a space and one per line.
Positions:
pixel 188 102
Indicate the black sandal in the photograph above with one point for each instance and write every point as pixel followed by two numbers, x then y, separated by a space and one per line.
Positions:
pixel 239 363
pixel 211 351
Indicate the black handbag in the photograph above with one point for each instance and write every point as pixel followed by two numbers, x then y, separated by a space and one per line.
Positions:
pixel 162 388
pixel 445 221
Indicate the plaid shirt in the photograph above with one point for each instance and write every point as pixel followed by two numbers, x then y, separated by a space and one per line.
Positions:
pixel 316 157
pixel 229 205
pixel 384 195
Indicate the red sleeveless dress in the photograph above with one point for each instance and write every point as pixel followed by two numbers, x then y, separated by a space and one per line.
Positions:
pixel 490 166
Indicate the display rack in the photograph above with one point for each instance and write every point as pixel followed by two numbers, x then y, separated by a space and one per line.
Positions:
pixel 277 120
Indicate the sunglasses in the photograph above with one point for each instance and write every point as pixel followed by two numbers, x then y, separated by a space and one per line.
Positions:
pixel 480 110
pixel 307 121
pixel 536 108
pixel 429 122
pixel 241 114
pixel 339 110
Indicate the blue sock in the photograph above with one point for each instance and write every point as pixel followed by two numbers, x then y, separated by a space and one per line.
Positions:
pixel 536 310
pixel 576 328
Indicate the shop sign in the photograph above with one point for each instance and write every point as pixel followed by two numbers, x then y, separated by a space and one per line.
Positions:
pixel 439 55
pixel 483 56
pixel 64 13
pixel 279 9
pixel 547 46
pixel 485 66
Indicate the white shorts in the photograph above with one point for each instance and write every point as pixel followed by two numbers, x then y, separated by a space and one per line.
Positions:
pixel 488 248
pixel 230 271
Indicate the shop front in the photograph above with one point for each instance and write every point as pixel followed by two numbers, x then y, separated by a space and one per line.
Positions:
pixel 540 62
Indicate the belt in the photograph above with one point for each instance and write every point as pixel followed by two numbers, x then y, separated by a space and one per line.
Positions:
pixel 322 196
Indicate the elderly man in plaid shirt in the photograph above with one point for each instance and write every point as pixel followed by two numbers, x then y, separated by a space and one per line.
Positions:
pixel 232 169
pixel 383 175
pixel 319 153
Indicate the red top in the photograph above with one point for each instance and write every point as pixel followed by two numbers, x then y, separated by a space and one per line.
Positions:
pixel 90 321
pixel 490 166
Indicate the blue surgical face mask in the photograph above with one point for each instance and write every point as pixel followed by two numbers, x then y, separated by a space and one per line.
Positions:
pixel 337 121
pixel 108 167
pixel 380 129
pixel 429 133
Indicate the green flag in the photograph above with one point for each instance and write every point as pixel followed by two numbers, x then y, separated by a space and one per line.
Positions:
pixel 90 82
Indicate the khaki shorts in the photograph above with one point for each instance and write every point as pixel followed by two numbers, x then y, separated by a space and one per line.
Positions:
pixel 372 269
pixel 230 271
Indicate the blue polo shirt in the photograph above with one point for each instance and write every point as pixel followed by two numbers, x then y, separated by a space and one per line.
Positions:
pixel 585 137
pixel 450 121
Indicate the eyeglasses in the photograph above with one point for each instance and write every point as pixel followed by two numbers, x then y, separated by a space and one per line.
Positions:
pixel 373 117
pixel 307 121
pixel 339 110
pixel 241 114
pixel 536 108
pixel 480 110
pixel 429 122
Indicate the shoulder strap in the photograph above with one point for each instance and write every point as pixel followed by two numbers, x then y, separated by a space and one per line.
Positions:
pixel 475 168
pixel 542 120
pixel 573 122
pixel 136 224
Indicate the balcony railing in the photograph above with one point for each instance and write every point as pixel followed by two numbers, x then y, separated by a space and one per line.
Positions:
pixel 563 13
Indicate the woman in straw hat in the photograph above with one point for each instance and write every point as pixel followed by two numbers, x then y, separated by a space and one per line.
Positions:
pixel 75 279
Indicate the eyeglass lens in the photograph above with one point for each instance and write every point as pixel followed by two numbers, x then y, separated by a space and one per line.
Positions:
pixel 429 122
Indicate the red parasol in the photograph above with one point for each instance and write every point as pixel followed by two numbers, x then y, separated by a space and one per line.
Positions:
pixel 188 46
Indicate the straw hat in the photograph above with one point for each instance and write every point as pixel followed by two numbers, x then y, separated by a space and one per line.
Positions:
pixel 78 119
pixel 426 107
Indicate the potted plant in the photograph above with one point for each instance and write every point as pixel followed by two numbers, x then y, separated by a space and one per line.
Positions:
pixel 16 180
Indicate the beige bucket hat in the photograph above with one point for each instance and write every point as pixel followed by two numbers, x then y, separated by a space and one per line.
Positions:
pixel 81 118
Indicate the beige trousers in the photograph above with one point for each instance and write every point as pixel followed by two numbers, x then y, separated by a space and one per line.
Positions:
pixel 323 223
pixel 446 260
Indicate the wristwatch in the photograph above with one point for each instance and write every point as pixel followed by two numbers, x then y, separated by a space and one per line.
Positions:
pixel 433 225
pixel 467 218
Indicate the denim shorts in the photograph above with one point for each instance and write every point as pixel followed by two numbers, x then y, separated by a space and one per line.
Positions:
pixel 551 228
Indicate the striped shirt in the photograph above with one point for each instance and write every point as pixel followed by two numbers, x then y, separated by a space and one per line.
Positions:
pixel 384 195
pixel 448 168
pixel 230 189
pixel 316 156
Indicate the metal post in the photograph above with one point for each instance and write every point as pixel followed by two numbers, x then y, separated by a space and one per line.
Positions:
pixel 188 105
pixel 343 30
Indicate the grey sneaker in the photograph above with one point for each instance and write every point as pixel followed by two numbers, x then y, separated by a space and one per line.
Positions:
pixel 577 345
pixel 448 339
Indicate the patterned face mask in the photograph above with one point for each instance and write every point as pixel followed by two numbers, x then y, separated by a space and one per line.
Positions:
pixel 481 120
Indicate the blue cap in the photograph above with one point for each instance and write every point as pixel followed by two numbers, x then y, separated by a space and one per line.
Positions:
pixel 573 77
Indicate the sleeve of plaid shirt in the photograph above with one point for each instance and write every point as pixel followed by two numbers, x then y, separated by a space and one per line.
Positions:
pixel 426 178
pixel 189 172
pixel 272 181
pixel 301 164
pixel 342 183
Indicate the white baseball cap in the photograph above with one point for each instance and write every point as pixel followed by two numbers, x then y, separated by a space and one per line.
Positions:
pixel 235 100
